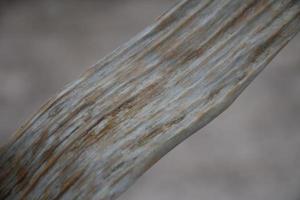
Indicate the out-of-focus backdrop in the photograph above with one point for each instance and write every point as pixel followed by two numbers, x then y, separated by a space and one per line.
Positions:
pixel 252 151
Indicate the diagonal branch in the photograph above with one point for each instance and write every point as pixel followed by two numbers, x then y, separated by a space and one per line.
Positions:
pixel 100 133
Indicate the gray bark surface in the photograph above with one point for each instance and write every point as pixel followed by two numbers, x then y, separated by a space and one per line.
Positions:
pixel 100 133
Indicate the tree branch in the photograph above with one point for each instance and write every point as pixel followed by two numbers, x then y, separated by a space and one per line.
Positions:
pixel 100 133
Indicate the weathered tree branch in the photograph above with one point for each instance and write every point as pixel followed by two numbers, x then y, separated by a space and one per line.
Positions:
pixel 100 133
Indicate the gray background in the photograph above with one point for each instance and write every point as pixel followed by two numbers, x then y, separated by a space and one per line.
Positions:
pixel 252 151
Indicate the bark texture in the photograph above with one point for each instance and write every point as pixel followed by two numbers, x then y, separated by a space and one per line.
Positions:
pixel 100 133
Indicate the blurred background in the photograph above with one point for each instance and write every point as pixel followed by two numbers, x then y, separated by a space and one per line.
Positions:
pixel 251 151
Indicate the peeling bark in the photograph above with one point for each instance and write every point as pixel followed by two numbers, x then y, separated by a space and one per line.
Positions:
pixel 104 130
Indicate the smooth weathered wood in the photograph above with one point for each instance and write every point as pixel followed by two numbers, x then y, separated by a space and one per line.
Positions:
pixel 100 133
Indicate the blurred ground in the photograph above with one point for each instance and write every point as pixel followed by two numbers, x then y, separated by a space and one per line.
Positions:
pixel 252 151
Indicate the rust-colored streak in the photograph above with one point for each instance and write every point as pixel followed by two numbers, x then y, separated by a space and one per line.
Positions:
pixel 40 142
pixel 68 183
pixel 164 23
pixel 22 173
pixel 130 107
pixel 93 137
pixel 146 138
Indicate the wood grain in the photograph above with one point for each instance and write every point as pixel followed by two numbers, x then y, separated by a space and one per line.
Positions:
pixel 100 133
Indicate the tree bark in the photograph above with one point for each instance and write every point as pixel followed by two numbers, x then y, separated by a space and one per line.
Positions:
pixel 104 130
